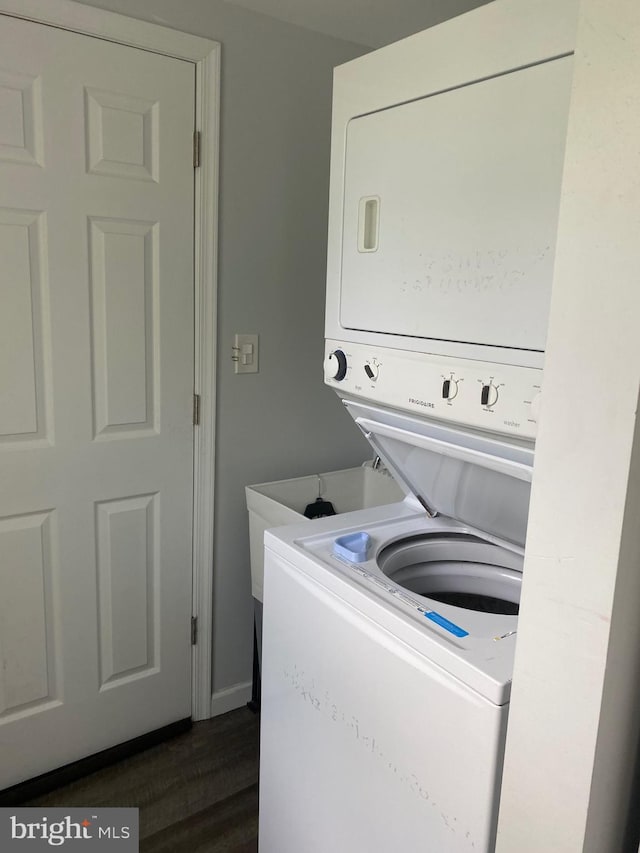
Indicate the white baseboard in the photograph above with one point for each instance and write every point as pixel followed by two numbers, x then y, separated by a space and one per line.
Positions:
pixel 230 698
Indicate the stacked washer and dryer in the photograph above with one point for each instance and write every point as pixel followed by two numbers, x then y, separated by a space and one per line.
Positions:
pixel 389 633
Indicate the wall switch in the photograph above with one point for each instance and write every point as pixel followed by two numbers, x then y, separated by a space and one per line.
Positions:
pixel 245 353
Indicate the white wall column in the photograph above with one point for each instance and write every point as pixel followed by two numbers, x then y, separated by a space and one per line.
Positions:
pixel 574 714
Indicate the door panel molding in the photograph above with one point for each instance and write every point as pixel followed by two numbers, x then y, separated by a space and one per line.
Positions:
pixel 205 56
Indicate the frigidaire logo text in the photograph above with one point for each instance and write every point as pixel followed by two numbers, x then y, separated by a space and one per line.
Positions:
pixel 57 832
pixel 421 403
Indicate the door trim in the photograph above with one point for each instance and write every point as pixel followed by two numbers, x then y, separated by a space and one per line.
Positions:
pixel 205 55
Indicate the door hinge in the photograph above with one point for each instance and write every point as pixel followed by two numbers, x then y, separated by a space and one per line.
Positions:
pixel 196 149
pixel 194 630
pixel 196 409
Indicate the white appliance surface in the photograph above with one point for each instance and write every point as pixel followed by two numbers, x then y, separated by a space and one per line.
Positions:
pixel 480 480
pixel 447 152
pixel 483 659
pixel 479 394
pixel 386 673
pixel 381 730
pixel 374 692
pixel 451 209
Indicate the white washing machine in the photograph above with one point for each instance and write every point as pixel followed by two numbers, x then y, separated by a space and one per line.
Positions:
pixel 389 634
pixel 389 640
pixel 389 646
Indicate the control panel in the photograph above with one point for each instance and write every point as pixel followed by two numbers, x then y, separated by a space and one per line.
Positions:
pixel 500 398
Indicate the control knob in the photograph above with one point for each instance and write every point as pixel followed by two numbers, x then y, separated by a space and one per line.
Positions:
pixel 335 365
pixel 372 369
pixel 449 389
pixel 489 395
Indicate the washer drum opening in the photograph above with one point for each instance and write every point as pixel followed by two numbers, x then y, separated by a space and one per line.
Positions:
pixel 456 569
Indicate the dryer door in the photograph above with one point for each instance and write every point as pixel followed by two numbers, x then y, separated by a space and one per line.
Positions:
pixel 451 208
pixel 481 481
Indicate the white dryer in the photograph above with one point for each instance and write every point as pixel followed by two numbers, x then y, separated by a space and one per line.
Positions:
pixel 389 634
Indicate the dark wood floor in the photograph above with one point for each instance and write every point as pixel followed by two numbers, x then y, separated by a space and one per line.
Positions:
pixel 197 793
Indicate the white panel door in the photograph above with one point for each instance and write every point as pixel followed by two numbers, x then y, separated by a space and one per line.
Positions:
pixel 96 378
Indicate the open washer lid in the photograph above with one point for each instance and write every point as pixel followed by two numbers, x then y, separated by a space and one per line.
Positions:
pixel 479 480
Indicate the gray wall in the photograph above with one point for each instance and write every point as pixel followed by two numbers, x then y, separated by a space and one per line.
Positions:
pixel 281 422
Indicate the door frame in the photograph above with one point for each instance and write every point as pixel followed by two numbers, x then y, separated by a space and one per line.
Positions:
pixel 205 56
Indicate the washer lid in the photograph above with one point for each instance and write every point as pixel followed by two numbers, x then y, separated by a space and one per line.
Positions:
pixel 481 481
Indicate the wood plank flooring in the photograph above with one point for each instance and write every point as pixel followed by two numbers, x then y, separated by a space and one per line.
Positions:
pixel 197 793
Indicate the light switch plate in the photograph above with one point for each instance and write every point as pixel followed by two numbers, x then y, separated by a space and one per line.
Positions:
pixel 245 353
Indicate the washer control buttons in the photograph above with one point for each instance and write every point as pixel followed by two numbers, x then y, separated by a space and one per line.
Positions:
pixel 489 395
pixel 335 365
